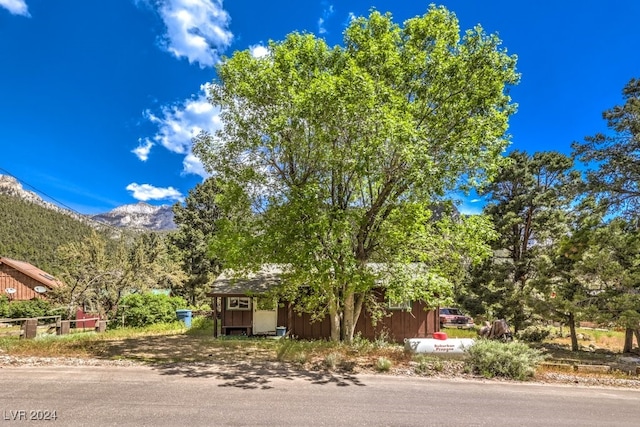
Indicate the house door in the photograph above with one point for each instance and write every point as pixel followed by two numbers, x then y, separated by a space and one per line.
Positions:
pixel 265 315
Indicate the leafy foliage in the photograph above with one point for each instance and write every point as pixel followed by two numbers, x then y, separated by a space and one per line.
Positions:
pixel 512 360
pixel 99 271
pixel 146 309
pixel 22 309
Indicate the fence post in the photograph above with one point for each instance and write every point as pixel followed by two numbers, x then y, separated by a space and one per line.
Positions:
pixel 30 328
pixel 101 326
pixel 64 327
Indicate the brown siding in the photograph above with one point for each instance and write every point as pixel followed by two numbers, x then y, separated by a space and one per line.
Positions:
pixel 23 284
pixel 235 317
pixel 399 325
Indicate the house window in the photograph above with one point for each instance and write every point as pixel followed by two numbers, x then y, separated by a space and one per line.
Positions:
pixel 238 303
pixel 403 305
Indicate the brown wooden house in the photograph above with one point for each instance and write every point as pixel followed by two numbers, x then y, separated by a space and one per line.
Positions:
pixel 241 307
pixel 20 280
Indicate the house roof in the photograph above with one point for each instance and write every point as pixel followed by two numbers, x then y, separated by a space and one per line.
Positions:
pixel 32 271
pixel 231 283
pixel 237 283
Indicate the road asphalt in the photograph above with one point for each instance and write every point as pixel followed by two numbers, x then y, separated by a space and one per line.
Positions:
pixel 196 395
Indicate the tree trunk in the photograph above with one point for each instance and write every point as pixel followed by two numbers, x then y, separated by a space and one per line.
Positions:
pixel 334 318
pixel 349 320
pixel 628 340
pixel 572 331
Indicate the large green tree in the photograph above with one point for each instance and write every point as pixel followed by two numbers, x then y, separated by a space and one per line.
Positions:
pixel 196 220
pixel 338 151
pixel 613 176
pixel 529 203
pixel 567 285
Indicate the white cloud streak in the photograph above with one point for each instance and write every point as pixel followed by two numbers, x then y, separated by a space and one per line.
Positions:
pixel 326 14
pixel 15 7
pixel 142 151
pixel 196 30
pixel 178 125
pixel 145 192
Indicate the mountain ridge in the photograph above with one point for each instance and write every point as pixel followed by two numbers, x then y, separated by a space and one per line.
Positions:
pixel 137 216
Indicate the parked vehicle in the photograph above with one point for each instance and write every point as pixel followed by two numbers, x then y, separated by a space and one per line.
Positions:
pixel 455 318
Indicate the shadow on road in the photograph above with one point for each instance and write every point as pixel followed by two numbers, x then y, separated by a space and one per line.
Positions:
pixel 234 362
pixel 255 375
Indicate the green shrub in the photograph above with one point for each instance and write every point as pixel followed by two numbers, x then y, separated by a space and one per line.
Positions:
pixel 146 309
pixel 383 364
pixel 31 308
pixel 534 334
pixel 513 360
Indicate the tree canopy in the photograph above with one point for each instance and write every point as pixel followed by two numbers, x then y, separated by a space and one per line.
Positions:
pixel 340 155
pixel 529 205
pixel 614 158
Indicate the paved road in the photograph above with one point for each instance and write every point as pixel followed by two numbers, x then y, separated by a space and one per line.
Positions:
pixel 203 396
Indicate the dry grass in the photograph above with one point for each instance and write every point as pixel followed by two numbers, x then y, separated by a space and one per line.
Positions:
pixel 171 343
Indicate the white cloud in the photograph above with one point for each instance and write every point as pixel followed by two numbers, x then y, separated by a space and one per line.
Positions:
pixel 259 51
pixel 16 7
pixel 326 13
pixel 147 192
pixel 142 150
pixel 179 124
pixel 196 29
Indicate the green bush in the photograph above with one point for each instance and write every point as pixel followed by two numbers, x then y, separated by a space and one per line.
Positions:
pixel 31 308
pixel 383 364
pixel 534 334
pixel 513 360
pixel 148 309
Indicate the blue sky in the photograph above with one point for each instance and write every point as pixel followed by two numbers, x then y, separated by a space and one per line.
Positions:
pixel 99 99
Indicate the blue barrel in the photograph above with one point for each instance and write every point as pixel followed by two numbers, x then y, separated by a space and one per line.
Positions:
pixel 281 331
pixel 184 316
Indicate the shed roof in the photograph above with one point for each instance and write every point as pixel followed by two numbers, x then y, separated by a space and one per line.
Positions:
pixel 238 283
pixel 32 271
pixel 232 283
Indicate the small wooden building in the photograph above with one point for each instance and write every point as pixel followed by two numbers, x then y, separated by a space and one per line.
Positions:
pixel 241 307
pixel 20 280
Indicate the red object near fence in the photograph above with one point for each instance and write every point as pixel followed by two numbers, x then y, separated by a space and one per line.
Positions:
pixel 89 324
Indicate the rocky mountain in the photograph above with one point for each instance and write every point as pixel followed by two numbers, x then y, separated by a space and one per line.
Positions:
pixel 11 187
pixel 140 216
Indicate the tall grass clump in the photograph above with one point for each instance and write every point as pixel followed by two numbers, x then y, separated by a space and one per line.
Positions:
pixel 514 360
pixel 383 364
pixel 201 326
